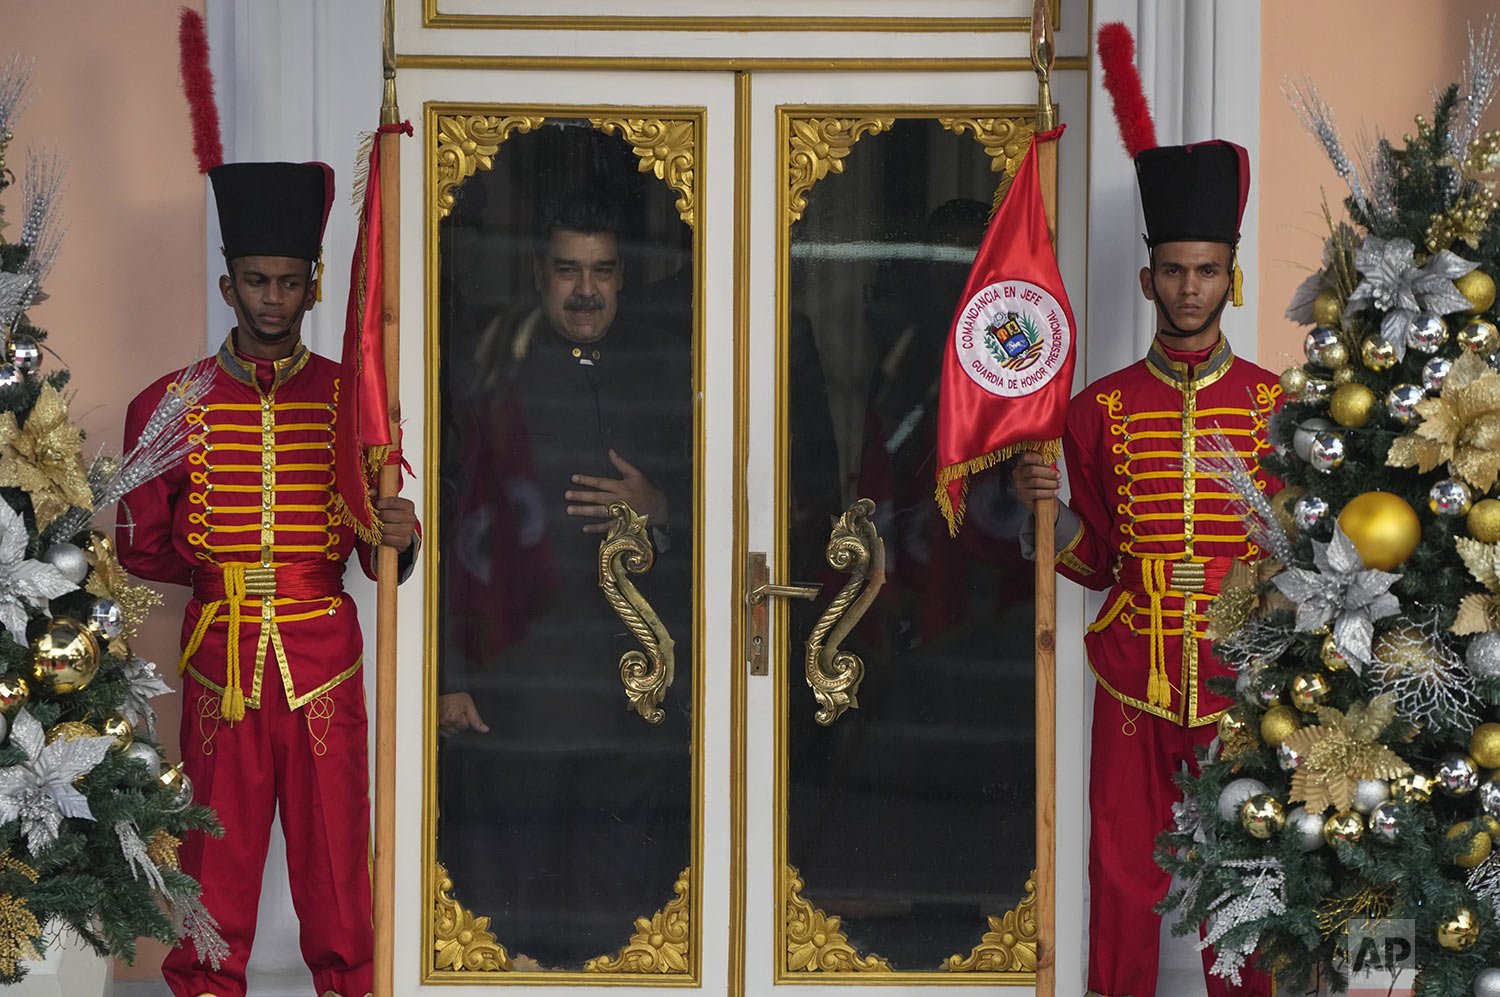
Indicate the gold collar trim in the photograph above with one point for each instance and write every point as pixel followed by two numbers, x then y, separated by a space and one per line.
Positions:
pixel 1176 373
pixel 244 372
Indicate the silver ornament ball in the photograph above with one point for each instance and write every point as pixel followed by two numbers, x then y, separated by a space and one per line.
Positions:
pixel 1401 402
pixel 1327 452
pixel 1426 333
pixel 106 618
pixel 1450 497
pixel 1435 372
pixel 1483 656
pixel 1252 692
pixel 24 352
pixel 1384 824
pixel 1370 793
pixel 1487 983
pixel 1289 758
pixel 1456 774
pixel 1305 828
pixel 9 375
pixel 1317 344
pixel 1317 391
pixel 182 793
pixel 147 756
pixel 4 726
pixel 1302 438
pixel 70 560
pixel 1488 795
pixel 1308 511
pixel 1234 795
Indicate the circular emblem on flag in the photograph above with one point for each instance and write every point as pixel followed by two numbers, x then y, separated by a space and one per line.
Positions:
pixel 1012 337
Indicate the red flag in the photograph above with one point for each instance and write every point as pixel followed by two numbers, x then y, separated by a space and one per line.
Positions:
pixel 1008 369
pixel 362 432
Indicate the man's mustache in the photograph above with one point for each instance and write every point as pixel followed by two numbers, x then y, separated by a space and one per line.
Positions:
pixel 584 303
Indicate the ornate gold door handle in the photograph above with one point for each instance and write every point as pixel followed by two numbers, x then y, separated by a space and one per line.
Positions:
pixel 626 550
pixel 834 674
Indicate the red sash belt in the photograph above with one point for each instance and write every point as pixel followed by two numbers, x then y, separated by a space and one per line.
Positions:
pixel 1156 577
pixel 297 580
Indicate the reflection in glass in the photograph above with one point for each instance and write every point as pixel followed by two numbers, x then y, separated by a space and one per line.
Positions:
pixel 565 331
pixel 911 817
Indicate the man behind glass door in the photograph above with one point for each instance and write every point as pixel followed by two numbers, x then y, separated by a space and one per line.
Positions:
pixel 568 409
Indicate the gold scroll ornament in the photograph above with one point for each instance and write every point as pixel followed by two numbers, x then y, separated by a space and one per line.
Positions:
pixel 818 148
pixel 467 143
pixel 665 149
pixel 1010 944
pixel 662 943
pixel 814 940
pixel 626 550
pixel 834 675
pixel 1005 141
pixel 462 941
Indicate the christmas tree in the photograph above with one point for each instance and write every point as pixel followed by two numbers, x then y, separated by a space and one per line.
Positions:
pixel 90 817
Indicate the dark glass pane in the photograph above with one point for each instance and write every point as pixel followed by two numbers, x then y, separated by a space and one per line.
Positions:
pixel 566 288
pixel 912 816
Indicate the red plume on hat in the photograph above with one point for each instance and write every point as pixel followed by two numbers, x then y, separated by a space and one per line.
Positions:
pixel 1123 81
pixel 198 86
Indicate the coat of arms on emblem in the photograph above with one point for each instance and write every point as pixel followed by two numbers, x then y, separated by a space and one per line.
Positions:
pixel 1010 336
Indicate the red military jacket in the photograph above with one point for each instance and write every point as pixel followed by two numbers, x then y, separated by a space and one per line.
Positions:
pixel 249 520
pixel 1155 529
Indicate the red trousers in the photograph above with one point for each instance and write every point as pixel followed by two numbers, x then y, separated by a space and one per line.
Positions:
pixel 1131 792
pixel 311 765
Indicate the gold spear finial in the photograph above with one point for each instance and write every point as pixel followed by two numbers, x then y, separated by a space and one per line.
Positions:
pixel 390 112
pixel 1043 55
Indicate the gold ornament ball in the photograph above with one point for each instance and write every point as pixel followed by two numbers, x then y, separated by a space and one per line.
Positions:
pixel 1412 788
pixel 1479 288
pixel 70 730
pixel 1327 309
pixel 1478 848
pixel 1384 528
pixel 1308 691
pixel 1281 504
pixel 1343 375
pixel 15 692
pixel 66 657
pixel 1479 336
pixel 1262 816
pixel 1352 405
pixel 171 776
pixel 1459 932
pixel 1377 354
pixel 1484 520
pixel 1490 824
pixel 1346 826
pixel 1335 356
pixel 1484 746
pixel 1233 726
pixel 1293 380
pixel 122 730
pixel 1279 723
pixel 1333 659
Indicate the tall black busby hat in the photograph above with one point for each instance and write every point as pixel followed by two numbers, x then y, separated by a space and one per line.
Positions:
pixel 1193 193
pixel 272 209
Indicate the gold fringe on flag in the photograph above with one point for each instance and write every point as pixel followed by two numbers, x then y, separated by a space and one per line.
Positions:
pixel 1051 451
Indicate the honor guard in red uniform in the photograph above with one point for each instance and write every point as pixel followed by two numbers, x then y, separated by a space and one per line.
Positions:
pixel 1147 524
pixel 273 704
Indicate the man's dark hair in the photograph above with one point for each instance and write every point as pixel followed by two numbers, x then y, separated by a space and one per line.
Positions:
pixel 579 210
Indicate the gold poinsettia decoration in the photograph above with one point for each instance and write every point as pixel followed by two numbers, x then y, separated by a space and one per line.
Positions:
pixel 108 580
pixel 1340 750
pixel 1461 426
pixel 1479 611
pixel 43 458
pixel 1242 595
pixel 162 850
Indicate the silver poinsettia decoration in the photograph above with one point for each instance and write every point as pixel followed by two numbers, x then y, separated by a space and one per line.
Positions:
pixel 1394 284
pixel 145 683
pixel 40 792
pixel 1342 590
pixel 25 585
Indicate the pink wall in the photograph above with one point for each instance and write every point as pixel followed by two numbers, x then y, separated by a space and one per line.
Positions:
pixel 127 294
pixel 1377 70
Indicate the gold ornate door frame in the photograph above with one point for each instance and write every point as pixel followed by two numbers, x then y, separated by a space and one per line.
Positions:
pixel 665 948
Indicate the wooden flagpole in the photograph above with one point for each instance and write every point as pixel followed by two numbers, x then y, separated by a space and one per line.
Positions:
pixel 384 913
pixel 1043 52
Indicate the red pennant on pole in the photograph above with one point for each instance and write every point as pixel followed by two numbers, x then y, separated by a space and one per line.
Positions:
pixel 362 433
pixel 1008 367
